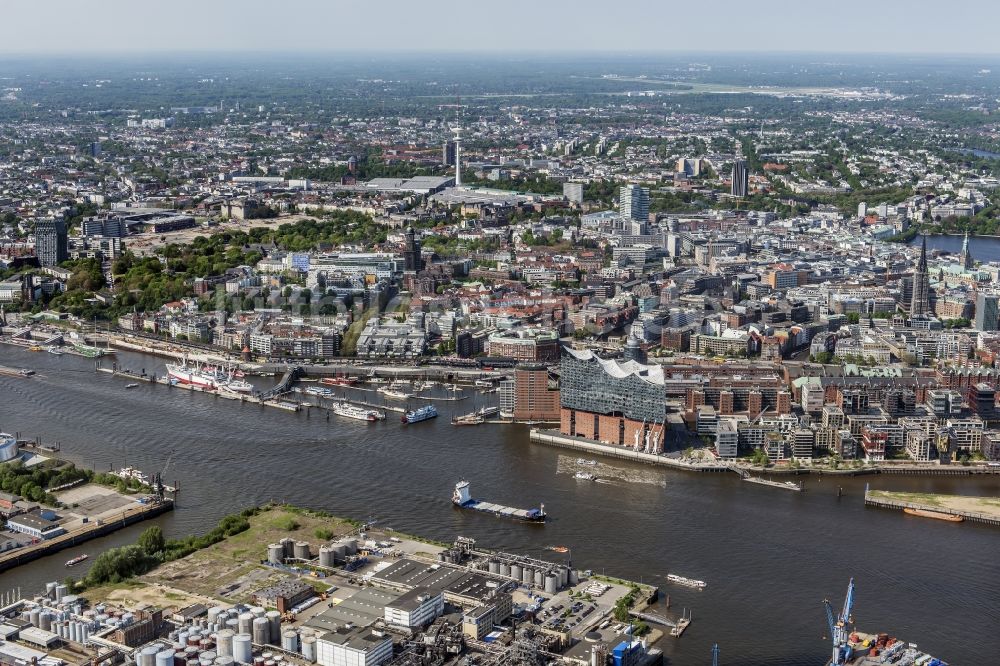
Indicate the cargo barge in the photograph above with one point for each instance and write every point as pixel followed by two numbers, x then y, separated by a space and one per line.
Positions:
pixel 462 499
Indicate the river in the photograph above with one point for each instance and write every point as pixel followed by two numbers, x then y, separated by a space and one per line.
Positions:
pixel 769 556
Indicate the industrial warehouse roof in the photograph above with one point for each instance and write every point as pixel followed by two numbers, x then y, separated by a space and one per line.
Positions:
pixel 359 609
pixel 452 581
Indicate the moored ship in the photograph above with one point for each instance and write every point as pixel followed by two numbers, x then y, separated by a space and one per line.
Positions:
pixel 463 500
pixel 421 414
pixel 192 376
pixel 350 411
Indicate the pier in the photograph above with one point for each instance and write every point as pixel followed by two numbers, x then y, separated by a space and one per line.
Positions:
pixel 949 505
pixel 129 516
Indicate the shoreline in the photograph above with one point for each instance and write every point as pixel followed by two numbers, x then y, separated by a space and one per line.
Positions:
pixel 554 438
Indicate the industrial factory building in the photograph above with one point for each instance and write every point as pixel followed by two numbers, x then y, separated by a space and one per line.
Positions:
pixel 353 647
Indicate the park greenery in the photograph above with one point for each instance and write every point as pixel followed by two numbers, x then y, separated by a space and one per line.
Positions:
pixel 146 283
pixel 36 482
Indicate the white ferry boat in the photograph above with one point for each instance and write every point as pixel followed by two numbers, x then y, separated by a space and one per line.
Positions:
pixel 353 412
pixel 393 394
pixel 690 582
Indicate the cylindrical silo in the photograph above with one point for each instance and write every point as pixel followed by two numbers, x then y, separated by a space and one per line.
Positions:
pixel 246 623
pixel 515 571
pixel 45 621
pixel 50 589
pixel 289 546
pixel 33 616
pixel 275 553
pixel 551 583
pixel 326 557
pixel 504 569
pixel 242 650
pixel 208 655
pixel 147 656
pixel 351 546
pixel 309 648
pixel 261 631
pixel 224 661
pixel 273 626
pixel 574 577
pixel 61 592
pixel 290 640
pixel 528 576
pixel 539 578
pixel 258 611
pixel 494 567
pixel 339 553
pixel 224 643
pixel 301 550
pixel 563 577
pixel 233 625
pixel 165 658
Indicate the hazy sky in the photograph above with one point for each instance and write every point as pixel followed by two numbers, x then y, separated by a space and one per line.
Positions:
pixel 921 26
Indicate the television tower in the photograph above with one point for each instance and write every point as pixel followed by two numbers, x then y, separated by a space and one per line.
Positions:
pixel 458 155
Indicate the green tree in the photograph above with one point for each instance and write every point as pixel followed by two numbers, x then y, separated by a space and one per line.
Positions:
pixel 151 540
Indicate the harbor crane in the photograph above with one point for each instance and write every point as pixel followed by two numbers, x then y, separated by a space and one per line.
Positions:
pixel 839 626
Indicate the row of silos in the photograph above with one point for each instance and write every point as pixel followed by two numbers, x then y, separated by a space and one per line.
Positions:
pixel 550 579
pixel 75 631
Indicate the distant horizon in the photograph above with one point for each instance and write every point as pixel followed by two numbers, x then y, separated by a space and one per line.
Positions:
pixel 73 27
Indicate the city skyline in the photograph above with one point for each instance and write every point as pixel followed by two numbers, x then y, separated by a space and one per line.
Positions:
pixel 119 27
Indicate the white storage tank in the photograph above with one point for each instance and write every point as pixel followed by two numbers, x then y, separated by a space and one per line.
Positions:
pixel 309 648
pixel 551 583
pixel 290 640
pixel 165 658
pixel 516 571
pixel 224 643
pixel 246 623
pixel 301 550
pixel 273 626
pixel 242 648
pixel 275 553
pixel 326 557
pixel 261 631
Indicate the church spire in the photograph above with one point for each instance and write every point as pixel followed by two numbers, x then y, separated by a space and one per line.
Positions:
pixel 967 262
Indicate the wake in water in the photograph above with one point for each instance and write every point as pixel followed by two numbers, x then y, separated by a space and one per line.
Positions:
pixel 607 474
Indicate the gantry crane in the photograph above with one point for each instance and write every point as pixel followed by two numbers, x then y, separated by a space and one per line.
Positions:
pixel 839 626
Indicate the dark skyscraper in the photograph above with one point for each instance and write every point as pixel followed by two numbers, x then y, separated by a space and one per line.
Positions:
pixel 51 242
pixel 741 178
pixel 448 153
pixel 920 305
pixel 411 254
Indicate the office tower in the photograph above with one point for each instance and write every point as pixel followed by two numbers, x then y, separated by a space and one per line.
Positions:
pixel 862 209
pixel 51 242
pixel 633 203
pixel 95 149
pixel 573 192
pixel 448 153
pixel 741 178
pixel 967 262
pixel 987 312
pixel 920 305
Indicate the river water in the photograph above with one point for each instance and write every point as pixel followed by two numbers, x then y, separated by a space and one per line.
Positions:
pixel 769 556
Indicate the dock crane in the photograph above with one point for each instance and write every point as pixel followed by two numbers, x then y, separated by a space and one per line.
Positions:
pixel 839 626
